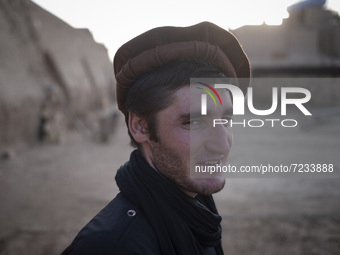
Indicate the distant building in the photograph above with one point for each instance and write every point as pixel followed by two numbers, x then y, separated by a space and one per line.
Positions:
pixel 307 43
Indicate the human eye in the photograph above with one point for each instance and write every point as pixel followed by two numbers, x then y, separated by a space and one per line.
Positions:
pixel 228 117
pixel 192 123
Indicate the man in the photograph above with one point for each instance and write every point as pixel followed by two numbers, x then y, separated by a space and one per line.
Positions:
pixel 161 209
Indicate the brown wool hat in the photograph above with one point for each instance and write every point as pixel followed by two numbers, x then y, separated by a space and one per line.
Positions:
pixel 161 45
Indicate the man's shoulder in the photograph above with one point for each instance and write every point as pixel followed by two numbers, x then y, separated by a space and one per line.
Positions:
pixel 120 228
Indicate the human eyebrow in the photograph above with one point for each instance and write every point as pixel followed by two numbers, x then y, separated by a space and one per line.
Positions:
pixel 189 115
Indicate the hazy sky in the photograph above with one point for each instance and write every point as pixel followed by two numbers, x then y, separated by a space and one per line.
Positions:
pixel 114 22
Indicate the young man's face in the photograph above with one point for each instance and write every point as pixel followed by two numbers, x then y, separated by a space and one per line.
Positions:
pixel 188 139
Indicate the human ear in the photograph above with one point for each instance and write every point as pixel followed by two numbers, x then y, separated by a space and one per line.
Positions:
pixel 137 128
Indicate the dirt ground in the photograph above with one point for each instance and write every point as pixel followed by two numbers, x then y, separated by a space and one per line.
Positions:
pixel 48 193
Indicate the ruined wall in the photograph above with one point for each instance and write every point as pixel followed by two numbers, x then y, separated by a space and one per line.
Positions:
pixel 40 53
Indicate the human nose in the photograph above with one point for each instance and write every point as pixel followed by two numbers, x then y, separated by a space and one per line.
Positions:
pixel 219 140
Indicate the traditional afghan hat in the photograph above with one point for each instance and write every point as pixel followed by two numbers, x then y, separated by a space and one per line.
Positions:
pixel 159 46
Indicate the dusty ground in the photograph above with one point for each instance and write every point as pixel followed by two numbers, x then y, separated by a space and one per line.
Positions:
pixel 47 193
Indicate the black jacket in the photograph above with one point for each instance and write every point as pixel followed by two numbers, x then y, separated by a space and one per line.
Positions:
pixel 119 229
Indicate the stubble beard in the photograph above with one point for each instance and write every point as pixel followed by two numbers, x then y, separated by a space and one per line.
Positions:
pixel 175 168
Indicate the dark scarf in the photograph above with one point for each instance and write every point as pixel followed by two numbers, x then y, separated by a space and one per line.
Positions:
pixel 182 224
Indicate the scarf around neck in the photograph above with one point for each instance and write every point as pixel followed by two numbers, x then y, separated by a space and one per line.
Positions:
pixel 183 225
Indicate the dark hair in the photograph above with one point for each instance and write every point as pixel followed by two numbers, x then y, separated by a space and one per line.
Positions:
pixel 152 91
